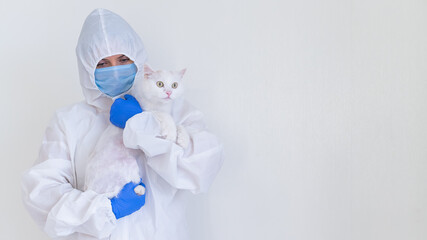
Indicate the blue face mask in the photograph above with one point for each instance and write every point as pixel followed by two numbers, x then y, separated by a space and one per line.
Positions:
pixel 115 80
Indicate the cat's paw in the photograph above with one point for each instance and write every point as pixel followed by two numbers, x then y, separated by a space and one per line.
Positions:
pixel 140 190
pixel 169 132
pixel 182 137
pixel 167 126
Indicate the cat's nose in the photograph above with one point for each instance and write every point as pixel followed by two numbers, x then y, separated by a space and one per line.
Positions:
pixel 168 93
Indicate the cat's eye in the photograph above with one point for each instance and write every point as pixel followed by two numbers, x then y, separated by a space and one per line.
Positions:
pixel 159 84
pixel 174 85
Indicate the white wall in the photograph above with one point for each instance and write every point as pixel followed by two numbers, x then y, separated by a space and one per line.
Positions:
pixel 321 105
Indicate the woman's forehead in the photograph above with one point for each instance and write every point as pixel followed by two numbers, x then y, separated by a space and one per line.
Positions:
pixel 114 57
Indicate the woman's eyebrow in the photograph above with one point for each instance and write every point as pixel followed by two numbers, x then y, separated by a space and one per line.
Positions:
pixel 122 56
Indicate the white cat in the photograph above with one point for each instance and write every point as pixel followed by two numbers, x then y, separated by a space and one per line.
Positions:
pixel 111 164
pixel 156 94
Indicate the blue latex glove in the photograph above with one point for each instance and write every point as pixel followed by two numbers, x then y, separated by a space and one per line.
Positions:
pixel 123 109
pixel 127 201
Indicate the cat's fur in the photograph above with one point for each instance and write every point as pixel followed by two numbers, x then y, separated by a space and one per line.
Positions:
pixel 111 164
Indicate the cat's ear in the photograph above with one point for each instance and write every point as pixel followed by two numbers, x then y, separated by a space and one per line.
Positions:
pixel 182 72
pixel 147 71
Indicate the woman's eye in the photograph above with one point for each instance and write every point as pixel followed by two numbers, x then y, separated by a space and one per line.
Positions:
pixel 124 60
pixel 100 64
pixel 159 84
pixel 174 85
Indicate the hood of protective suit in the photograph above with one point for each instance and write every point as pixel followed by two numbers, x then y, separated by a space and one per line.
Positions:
pixel 104 34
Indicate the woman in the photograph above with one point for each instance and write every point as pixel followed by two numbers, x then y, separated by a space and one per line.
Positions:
pixel 52 188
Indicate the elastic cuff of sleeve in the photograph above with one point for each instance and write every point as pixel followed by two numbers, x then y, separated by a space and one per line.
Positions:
pixel 108 209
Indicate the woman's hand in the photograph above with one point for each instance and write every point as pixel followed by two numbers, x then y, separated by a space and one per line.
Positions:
pixel 123 109
pixel 128 200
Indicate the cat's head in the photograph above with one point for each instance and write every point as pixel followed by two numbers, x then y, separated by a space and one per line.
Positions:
pixel 162 86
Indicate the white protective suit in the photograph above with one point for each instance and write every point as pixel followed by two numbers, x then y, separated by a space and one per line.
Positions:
pixel 52 188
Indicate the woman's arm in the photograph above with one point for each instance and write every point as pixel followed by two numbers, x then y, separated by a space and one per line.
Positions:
pixel 52 201
pixel 193 168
